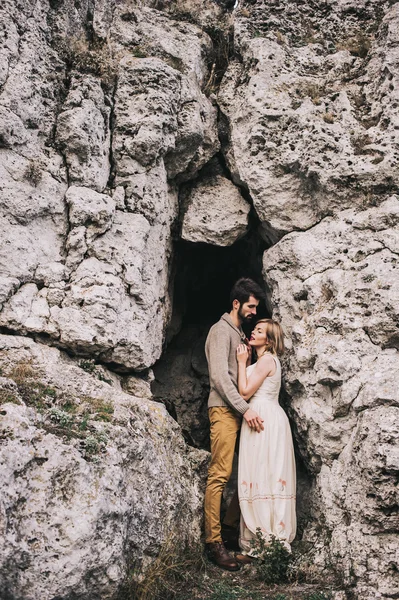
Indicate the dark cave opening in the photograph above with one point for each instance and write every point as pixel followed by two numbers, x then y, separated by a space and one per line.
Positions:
pixel 205 275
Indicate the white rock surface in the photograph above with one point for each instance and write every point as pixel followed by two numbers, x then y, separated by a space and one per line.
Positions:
pixel 313 128
pixel 86 181
pixel 78 505
pixel 336 292
pixel 216 212
pixel 83 133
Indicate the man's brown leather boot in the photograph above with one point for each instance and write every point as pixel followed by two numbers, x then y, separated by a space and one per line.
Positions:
pixel 219 555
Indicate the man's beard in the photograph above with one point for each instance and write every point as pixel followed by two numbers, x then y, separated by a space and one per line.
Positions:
pixel 245 319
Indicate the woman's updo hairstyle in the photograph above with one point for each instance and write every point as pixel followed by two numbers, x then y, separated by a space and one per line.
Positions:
pixel 274 336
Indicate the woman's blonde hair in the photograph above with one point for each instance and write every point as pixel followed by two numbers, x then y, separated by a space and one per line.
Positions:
pixel 274 336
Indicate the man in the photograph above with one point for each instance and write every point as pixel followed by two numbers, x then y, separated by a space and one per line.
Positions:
pixel 226 408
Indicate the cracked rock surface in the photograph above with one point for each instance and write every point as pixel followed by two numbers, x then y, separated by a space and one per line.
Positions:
pixel 88 474
pixel 95 136
pixel 336 291
pixel 311 108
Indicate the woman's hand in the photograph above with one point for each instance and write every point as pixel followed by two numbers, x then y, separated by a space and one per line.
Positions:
pixel 242 354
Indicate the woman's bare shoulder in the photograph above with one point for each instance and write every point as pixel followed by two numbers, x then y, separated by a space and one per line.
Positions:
pixel 265 363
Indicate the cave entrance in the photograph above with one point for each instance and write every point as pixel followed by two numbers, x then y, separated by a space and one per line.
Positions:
pixel 205 275
pixel 203 278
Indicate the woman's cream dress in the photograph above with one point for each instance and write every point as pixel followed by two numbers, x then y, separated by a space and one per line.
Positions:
pixel 266 468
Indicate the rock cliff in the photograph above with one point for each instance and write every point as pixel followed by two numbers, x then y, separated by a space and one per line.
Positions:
pixel 135 137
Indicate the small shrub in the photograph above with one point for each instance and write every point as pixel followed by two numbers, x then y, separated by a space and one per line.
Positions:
pixel 84 422
pixel 8 396
pixel 139 52
pixel 94 444
pixel 99 409
pixel 273 558
pixel 34 173
pixel 90 367
pixel 280 38
pixel 319 596
pixel 222 40
pixel 87 365
pixel 313 91
pixel 96 58
pixel 168 576
pixel 61 418
pixel 36 394
pixel 102 377
pixel 359 144
pixel 23 371
pixel 358 45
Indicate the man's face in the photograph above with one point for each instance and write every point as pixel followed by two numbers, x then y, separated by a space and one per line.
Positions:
pixel 247 310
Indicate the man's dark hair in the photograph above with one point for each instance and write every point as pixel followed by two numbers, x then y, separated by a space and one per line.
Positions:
pixel 243 289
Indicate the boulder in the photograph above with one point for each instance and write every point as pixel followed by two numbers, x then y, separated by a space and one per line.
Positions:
pixel 216 213
pixel 89 478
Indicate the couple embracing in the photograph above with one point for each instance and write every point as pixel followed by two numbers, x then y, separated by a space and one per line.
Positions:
pixel 244 399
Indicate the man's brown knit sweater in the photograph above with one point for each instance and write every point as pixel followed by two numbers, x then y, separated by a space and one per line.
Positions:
pixel 221 353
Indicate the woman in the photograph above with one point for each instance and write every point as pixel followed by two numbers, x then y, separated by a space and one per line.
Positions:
pixel 266 468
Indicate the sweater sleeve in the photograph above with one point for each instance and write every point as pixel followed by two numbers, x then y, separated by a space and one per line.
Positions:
pixel 218 358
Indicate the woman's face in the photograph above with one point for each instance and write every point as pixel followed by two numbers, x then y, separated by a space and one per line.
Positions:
pixel 258 336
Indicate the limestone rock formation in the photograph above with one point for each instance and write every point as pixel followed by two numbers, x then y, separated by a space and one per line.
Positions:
pixel 311 108
pixel 91 271
pixel 216 212
pixel 336 292
pixel 88 477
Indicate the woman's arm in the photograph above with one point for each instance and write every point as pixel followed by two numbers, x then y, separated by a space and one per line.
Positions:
pixel 264 367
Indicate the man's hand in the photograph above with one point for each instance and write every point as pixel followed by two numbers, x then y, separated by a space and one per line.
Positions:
pixel 253 419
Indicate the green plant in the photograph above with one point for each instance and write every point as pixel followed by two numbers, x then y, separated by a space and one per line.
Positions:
pixel 94 443
pixel 319 596
pixel 87 365
pixel 8 396
pixel 90 367
pixel 99 409
pixel 102 377
pixel 60 417
pixel 273 558
pixel 84 422
pixel 36 394
pixel 225 591
pixel 139 52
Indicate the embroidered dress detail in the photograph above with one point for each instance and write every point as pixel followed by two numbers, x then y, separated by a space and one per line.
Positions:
pixel 266 469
